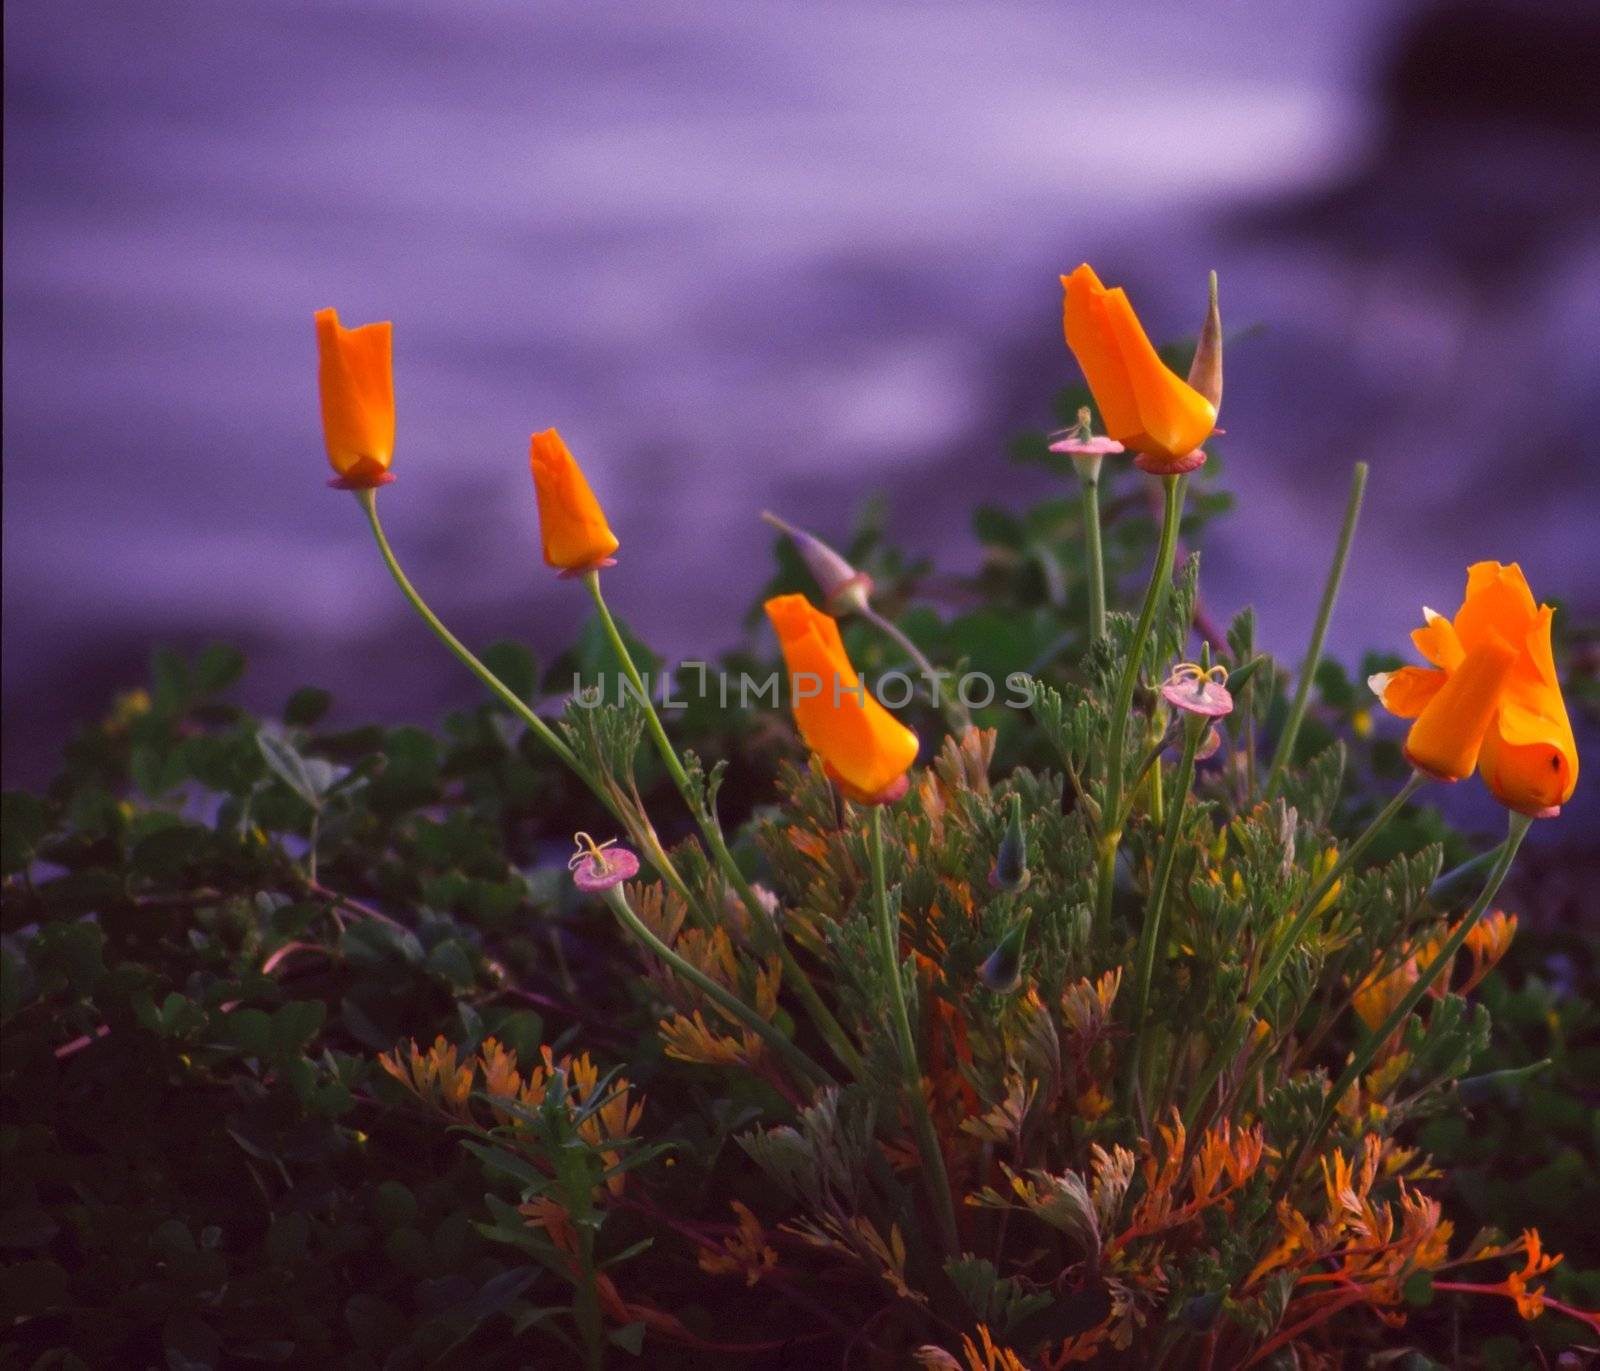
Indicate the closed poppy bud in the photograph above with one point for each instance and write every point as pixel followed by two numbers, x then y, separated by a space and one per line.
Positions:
pixel 355 376
pixel 1010 870
pixel 1001 971
pixel 843 587
pixel 865 750
pixel 1205 371
pixel 571 523
pixel 1146 406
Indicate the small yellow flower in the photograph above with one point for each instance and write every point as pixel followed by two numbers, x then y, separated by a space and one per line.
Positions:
pixel 1376 999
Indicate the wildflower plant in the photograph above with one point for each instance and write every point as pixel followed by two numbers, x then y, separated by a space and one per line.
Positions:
pixel 1107 1029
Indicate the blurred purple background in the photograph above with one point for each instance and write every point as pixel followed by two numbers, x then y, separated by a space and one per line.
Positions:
pixel 747 256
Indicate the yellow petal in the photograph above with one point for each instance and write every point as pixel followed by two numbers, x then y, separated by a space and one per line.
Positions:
pixel 1529 760
pixel 1089 337
pixel 1498 602
pixel 1445 739
pixel 1406 692
pixel 1174 418
pixel 1437 641
pixel 860 742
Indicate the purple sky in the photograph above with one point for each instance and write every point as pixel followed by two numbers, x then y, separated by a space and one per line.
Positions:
pixel 743 256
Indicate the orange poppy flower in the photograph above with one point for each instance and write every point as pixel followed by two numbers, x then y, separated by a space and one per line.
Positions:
pixel 1145 405
pixel 1491 700
pixel 571 523
pixel 865 750
pixel 355 375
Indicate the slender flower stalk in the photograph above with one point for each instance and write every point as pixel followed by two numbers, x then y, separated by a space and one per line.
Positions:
pixel 1286 945
pixel 934 1174
pixel 638 826
pixel 791 1053
pixel 1088 453
pixel 1094 557
pixel 1319 631
pixel 1368 1051
pixel 956 713
pixel 1154 596
pixel 793 973
pixel 1195 726
pixel 366 497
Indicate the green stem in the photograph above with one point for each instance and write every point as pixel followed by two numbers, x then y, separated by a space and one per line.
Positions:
pixel 1319 631
pixel 641 832
pixel 793 973
pixel 1450 883
pixel 543 730
pixel 1122 703
pixel 1286 945
pixel 1150 934
pixel 956 714
pixel 1368 1051
pixel 933 1169
pixel 729 1003
pixel 1089 487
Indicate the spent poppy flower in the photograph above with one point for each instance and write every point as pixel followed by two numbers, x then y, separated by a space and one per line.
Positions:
pixel 1145 405
pixel 1198 689
pixel 865 750
pixel 599 866
pixel 1491 700
pixel 571 523
pixel 355 376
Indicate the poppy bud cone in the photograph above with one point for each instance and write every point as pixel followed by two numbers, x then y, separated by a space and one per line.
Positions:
pixel 844 589
pixel 1010 870
pixel 1001 971
pixel 1205 372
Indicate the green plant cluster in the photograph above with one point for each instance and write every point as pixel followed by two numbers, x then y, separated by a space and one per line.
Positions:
pixel 222 931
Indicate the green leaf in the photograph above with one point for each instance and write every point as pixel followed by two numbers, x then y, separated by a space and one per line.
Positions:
pixel 514 665
pixel 72 950
pixel 393 1205
pixel 306 706
pixel 451 962
pixel 294 1025
pixel 218 667
pixel 249 1030
pixel 1419 1288
pixel 23 822
pixel 522 1031
pixel 169 681
pixel 289 767
pixel 375 1324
